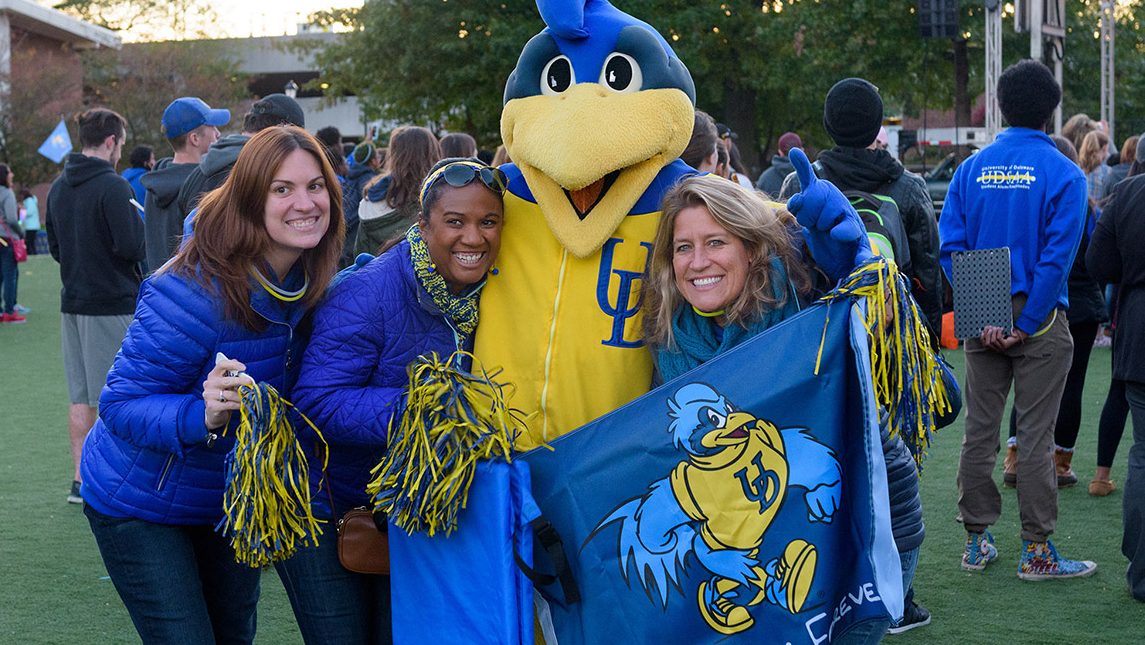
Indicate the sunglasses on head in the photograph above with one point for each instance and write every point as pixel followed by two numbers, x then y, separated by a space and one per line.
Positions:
pixel 462 173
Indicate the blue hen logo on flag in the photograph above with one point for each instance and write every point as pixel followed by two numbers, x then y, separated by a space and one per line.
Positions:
pixel 718 504
pixel 744 501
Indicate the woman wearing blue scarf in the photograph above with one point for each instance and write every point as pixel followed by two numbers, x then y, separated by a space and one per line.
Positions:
pixel 725 267
pixel 417 298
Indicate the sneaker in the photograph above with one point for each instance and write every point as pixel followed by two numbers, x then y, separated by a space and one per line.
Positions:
pixel 12 318
pixel 21 309
pixel 914 615
pixel 74 496
pixel 1040 561
pixel 979 552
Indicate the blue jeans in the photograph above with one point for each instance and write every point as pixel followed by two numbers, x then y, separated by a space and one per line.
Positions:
pixel 908 560
pixel 180 584
pixel 331 604
pixel 9 274
pixel 1133 501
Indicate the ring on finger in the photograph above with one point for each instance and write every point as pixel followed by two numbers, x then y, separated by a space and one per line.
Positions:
pixel 222 397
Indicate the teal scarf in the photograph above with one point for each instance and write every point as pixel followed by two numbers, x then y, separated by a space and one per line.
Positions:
pixel 461 309
pixel 699 339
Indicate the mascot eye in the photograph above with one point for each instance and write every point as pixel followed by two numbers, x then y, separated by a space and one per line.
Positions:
pixel 557 76
pixel 621 73
pixel 715 418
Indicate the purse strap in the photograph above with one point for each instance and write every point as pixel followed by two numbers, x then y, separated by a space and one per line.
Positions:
pixel 551 542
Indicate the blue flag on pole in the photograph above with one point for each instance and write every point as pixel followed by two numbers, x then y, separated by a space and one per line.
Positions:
pixel 58 144
pixel 746 499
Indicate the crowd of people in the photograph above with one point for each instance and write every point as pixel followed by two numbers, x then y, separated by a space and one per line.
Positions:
pixel 232 247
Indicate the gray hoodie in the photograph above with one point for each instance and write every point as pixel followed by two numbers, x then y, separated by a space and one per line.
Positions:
pixel 163 223
pixel 212 171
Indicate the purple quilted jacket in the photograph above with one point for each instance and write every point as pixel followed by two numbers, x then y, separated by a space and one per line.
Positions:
pixel 374 322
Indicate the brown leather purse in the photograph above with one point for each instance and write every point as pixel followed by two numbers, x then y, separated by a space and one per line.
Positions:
pixel 363 546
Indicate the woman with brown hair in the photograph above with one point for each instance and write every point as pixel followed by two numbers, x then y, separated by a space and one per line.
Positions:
pixel 266 245
pixel 391 203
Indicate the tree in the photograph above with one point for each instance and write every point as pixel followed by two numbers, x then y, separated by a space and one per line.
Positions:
pixel 441 63
pixel 44 86
pixel 140 80
pixel 762 67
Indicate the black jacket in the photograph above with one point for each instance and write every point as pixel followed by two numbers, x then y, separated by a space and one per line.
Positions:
pixel 163 221
pixel 97 237
pixel 1086 301
pixel 902 488
pixel 1114 255
pixel 876 171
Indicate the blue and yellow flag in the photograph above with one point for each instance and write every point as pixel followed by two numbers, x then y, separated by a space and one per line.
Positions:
pixel 58 144
pixel 745 499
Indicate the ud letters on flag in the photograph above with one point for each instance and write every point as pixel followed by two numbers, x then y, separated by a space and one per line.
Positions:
pixel 746 499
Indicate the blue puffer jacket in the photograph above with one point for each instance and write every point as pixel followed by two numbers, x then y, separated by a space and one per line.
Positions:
pixel 370 327
pixel 146 457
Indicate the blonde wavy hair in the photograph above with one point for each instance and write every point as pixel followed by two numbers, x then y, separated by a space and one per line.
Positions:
pixel 765 231
pixel 1092 152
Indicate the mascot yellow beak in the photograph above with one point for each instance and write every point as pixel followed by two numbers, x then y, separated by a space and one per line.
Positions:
pixel 590 153
pixel 735 431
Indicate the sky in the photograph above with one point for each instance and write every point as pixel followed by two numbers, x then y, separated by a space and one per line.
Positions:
pixel 241 18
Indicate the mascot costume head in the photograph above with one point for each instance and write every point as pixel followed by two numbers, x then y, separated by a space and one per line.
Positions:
pixel 596 115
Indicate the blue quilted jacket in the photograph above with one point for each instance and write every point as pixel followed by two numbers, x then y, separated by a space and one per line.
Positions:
pixel 146 457
pixel 371 326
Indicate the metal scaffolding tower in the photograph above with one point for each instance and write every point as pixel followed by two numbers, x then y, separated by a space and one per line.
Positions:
pixel 993 68
pixel 1108 91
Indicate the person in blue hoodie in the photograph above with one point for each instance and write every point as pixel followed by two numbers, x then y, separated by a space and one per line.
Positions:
pixel 418 297
pixel 1019 192
pixel 266 246
pixel 142 160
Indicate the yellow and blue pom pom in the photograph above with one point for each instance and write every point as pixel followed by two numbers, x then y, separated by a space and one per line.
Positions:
pixel 267 496
pixel 452 419
pixel 905 369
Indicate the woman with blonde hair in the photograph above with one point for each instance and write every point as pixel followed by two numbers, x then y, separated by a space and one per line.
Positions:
pixel 1098 176
pixel 266 245
pixel 390 205
pixel 724 267
pixel 727 265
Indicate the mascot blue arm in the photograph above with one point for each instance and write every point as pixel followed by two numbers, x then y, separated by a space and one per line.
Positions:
pixel 814 467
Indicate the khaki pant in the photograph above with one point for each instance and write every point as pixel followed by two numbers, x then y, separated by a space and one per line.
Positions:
pixel 1038 370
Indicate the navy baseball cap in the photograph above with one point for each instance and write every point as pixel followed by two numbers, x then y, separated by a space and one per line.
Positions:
pixel 187 113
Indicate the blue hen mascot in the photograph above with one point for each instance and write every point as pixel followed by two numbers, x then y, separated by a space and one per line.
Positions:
pixel 596 115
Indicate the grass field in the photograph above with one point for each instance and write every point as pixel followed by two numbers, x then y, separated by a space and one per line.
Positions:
pixel 54 589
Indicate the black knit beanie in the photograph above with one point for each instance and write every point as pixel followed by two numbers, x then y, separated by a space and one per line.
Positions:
pixel 1028 94
pixel 853 113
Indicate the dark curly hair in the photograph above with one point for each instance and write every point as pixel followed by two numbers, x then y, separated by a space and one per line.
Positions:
pixel 1028 94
